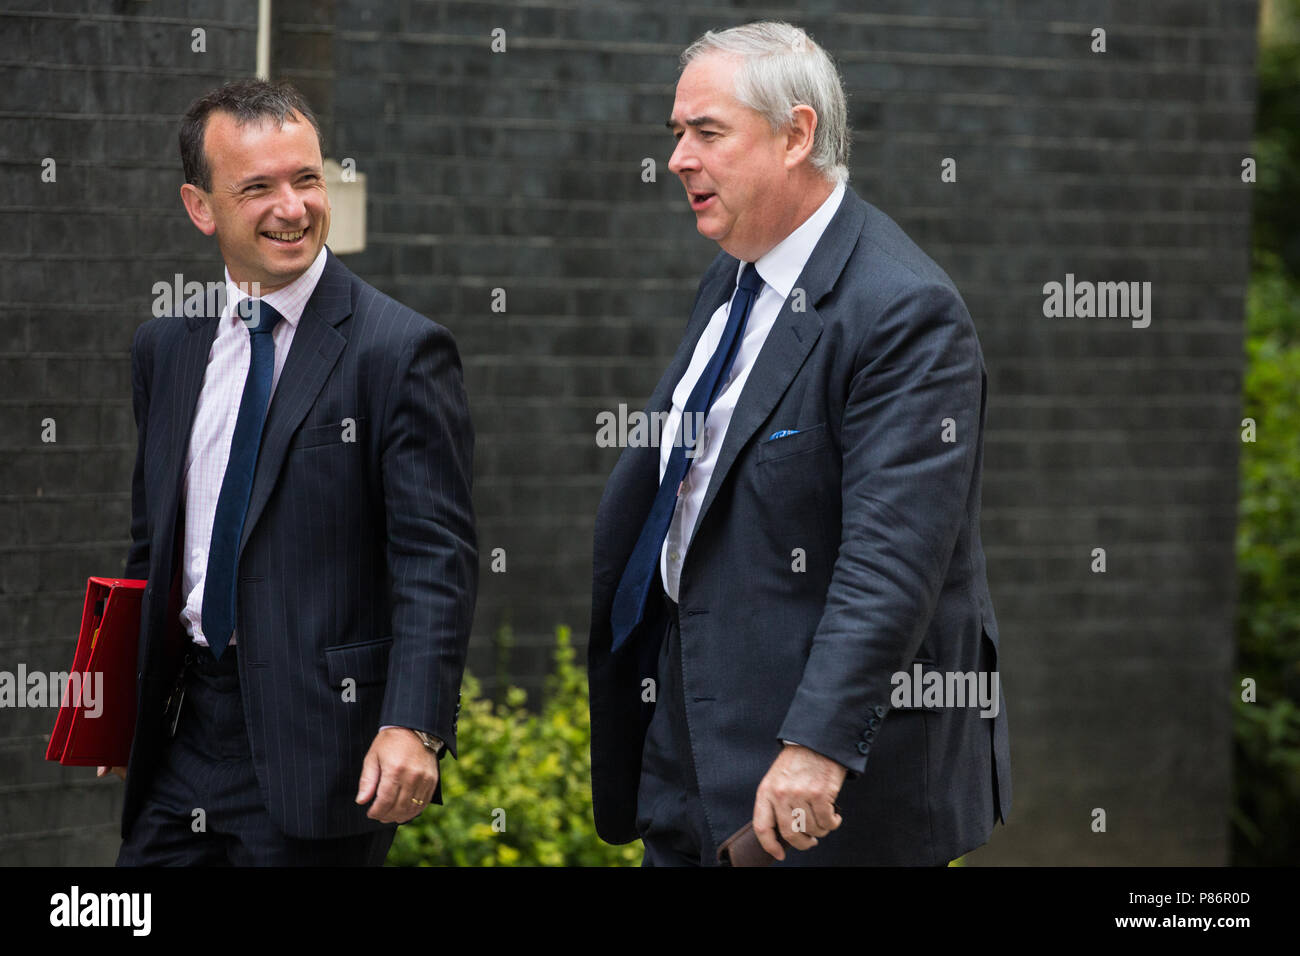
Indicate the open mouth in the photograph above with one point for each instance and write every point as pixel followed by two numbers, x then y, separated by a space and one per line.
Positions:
pixel 289 239
pixel 701 200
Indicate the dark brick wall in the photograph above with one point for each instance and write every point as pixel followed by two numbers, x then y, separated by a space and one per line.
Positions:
pixel 521 170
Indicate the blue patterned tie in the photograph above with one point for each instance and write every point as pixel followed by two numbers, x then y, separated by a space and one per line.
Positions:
pixel 642 567
pixel 232 503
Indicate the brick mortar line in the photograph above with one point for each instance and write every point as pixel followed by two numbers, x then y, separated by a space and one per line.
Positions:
pixel 551 124
pixel 121 18
pixel 85 829
pixel 102 496
pixel 1090 61
pixel 631 6
pixel 171 72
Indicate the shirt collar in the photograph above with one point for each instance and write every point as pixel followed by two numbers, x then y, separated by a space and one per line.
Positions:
pixel 290 300
pixel 781 265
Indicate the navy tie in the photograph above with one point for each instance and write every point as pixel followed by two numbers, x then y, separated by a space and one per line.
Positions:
pixel 643 566
pixel 232 503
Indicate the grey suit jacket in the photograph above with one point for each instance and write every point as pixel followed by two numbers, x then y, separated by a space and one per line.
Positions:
pixel 358 566
pixel 885 513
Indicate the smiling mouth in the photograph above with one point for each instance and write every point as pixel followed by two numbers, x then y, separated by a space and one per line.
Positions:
pixel 287 238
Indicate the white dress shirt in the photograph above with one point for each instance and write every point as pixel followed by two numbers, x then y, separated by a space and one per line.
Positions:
pixel 214 424
pixel 779 269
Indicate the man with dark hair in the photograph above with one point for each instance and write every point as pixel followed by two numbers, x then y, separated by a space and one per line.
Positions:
pixel 244 101
pixel 301 510
pixel 761 580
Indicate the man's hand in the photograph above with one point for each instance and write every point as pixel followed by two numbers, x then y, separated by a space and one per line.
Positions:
pixel 104 771
pixel 398 772
pixel 797 796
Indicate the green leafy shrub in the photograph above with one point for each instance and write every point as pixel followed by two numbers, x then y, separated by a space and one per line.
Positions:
pixel 1266 826
pixel 520 794
pixel 1267 731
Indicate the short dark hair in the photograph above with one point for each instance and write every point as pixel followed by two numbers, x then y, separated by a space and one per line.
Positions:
pixel 247 101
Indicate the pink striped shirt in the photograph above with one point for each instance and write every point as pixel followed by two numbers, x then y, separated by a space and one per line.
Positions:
pixel 214 424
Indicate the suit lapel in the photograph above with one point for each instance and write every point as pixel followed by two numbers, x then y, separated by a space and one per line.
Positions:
pixel 316 347
pixel 637 467
pixel 711 298
pixel 632 485
pixel 791 338
pixel 635 462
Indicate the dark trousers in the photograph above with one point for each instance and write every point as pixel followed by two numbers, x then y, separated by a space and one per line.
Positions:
pixel 204 806
pixel 670 814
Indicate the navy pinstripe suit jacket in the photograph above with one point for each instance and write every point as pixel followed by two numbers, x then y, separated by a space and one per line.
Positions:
pixel 358 558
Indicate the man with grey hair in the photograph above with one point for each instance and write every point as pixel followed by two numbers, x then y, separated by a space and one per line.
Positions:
pixel 809 528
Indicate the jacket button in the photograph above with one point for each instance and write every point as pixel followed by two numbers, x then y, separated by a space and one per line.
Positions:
pixel 880 710
pixel 863 747
pixel 870 735
pixel 873 722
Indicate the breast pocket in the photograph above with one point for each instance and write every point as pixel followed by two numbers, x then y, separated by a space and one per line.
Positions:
pixel 801 442
pixel 342 433
pixel 794 481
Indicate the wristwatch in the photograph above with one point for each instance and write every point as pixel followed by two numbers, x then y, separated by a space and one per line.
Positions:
pixel 430 741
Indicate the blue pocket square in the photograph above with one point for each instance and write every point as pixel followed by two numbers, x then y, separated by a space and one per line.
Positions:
pixel 782 433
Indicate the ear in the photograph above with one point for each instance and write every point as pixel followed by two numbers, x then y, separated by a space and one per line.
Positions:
pixel 199 205
pixel 799 135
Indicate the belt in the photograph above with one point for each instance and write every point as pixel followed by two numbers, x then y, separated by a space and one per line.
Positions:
pixel 199 657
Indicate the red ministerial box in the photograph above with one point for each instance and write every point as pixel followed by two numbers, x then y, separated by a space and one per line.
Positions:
pixel 106 654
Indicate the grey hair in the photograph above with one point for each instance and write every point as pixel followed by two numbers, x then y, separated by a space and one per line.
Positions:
pixel 781 68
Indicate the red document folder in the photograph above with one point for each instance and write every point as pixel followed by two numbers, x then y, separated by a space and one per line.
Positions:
pixel 106 654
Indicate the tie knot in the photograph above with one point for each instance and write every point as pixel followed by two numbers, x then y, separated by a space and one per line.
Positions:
pixel 750 280
pixel 258 315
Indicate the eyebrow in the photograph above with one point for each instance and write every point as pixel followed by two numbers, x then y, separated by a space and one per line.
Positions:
pixel 695 121
pixel 248 180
